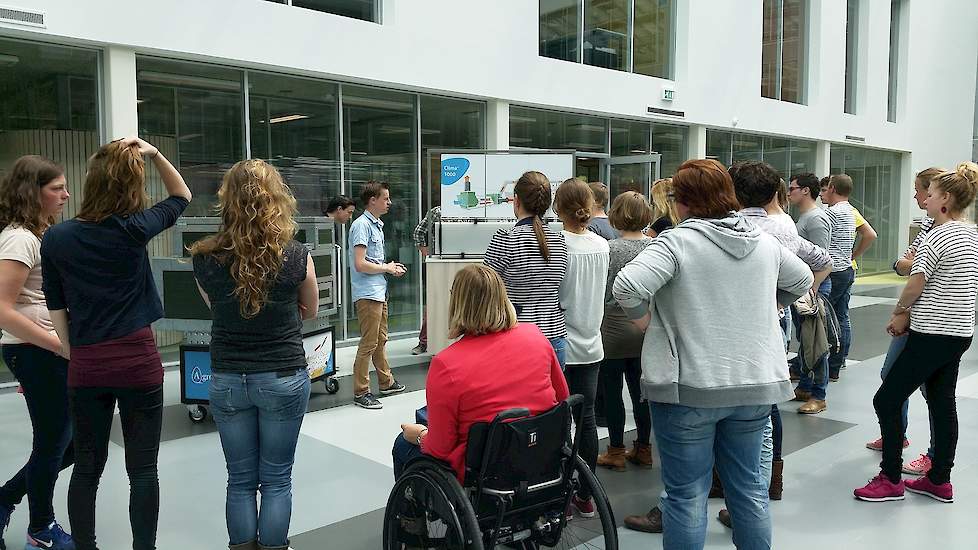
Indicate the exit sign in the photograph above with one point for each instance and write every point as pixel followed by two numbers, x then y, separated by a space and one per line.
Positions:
pixel 668 94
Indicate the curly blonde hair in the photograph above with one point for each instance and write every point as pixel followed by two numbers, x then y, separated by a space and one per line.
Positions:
pixel 256 210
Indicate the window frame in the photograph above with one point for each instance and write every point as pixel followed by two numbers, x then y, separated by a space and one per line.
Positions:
pixel 806 10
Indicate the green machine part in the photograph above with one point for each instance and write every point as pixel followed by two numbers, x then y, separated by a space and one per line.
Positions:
pixel 468 199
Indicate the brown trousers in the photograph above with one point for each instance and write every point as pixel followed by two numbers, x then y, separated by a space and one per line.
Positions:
pixel 373 345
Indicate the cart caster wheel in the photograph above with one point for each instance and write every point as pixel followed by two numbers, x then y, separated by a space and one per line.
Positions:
pixel 332 386
pixel 197 414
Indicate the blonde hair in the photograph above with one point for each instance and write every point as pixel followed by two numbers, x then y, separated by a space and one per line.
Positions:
pixel 115 183
pixel 630 211
pixel 961 184
pixel 927 176
pixel 662 205
pixel 479 304
pixel 256 209
pixel 573 201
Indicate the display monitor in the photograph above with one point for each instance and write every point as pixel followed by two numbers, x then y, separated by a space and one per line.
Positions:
pixel 325 237
pixel 323 264
pixel 181 299
pixel 195 374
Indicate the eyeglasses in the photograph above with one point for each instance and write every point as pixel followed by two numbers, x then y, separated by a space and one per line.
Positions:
pixel 793 188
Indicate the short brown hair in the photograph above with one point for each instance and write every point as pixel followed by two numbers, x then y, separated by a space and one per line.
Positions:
pixel 706 189
pixel 573 201
pixel 479 303
pixel 115 183
pixel 600 192
pixel 630 211
pixel 841 184
pixel 371 190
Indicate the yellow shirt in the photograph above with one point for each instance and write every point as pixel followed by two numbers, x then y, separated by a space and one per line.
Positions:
pixel 860 220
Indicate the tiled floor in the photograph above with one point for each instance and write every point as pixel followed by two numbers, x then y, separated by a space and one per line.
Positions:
pixel 343 468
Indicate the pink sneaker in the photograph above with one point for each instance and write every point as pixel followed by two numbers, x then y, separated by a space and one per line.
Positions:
pixel 878 444
pixel 918 467
pixel 584 507
pixel 880 489
pixel 924 486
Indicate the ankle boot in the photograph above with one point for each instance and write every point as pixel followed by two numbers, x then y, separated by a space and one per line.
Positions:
pixel 777 480
pixel 716 490
pixel 640 454
pixel 614 459
pixel 263 547
pixel 251 545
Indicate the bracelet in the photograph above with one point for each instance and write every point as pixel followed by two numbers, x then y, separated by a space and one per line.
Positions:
pixel 156 154
pixel 903 307
pixel 422 434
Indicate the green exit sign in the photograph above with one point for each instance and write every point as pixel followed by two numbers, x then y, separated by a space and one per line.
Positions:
pixel 668 95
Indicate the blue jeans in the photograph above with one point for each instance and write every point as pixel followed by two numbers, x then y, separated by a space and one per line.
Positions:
pixel 403 452
pixel 839 298
pixel 896 347
pixel 560 348
pixel 44 378
pixel 817 382
pixel 258 417
pixel 687 439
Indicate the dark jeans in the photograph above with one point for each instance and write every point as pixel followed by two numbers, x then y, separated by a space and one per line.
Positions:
pixel 583 380
pixel 934 360
pixel 839 298
pixel 141 413
pixel 815 382
pixel 777 431
pixel 610 377
pixel 43 376
pixel 403 452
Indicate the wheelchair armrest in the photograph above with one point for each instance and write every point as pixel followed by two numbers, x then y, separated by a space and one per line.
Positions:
pixel 510 414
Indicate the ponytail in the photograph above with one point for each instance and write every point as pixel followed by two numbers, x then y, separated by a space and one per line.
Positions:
pixel 533 189
pixel 541 238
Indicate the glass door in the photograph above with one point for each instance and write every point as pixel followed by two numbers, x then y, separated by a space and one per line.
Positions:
pixel 631 173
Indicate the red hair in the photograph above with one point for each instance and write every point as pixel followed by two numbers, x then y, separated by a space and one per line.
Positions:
pixel 706 189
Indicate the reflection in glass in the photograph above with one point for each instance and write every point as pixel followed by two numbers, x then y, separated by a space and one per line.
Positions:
pixel 652 41
pixel 852 57
pixel 606 33
pixel 447 124
pixel 670 142
pixel 380 145
pixel 893 76
pixel 718 146
pixel 793 51
pixel 629 177
pixel 787 156
pixel 770 35
pixel 629 138
pixel 357 9
pixel 540 129
pixel 559 28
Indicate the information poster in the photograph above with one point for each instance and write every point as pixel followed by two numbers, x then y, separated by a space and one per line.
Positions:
pixel 320 352
pixel 481 185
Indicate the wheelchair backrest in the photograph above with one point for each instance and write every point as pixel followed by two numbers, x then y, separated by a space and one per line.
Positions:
pixel 519 454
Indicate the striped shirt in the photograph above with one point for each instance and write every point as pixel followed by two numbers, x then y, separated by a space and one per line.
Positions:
pixel 948 260
pixel 843 235
pixel 533 283
pixel 925 226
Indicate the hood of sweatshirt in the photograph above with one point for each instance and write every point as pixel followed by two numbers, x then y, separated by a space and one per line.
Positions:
pixel 735 234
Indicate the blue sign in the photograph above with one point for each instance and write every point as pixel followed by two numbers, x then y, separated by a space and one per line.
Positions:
pixel 197 375
pixel 453 169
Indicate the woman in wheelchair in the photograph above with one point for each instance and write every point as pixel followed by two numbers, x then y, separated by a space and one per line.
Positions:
pixel 497 462
pixel 497 364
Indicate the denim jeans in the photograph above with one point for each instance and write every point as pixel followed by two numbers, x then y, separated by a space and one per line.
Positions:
pixel 258 417
pixel 141 413
pixel 583 380
pixel 403 452
pixel 839 298
pixel 896 347
pixel 560 348
pixel 687 439
pixel 44 377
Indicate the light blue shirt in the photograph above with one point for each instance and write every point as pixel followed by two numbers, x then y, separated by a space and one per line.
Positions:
pixel 368 231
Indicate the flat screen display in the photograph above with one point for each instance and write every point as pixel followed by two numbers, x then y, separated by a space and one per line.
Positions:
pixel 195 374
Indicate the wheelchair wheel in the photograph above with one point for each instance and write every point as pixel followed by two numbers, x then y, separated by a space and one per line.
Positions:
pixel 601 531
pixel 427 509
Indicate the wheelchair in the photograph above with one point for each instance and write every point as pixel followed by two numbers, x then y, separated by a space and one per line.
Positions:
pixel 520 473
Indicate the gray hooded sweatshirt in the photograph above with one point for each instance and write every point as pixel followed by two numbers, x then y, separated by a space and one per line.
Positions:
pixel 713 288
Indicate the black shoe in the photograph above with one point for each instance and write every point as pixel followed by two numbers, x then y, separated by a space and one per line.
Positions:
pixel 393 388
pixel 834 375
pixel 368 401
pixel 724 517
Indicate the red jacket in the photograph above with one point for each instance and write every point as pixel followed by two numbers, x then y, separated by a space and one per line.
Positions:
pixel 480 376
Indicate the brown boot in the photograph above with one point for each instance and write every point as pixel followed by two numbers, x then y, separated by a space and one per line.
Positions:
pixel 614 459
pixel 724 517
pixel 640 454
pixel 251 545
pixel 716 490
pixel 263 547
pixel 813 406
pixel 649 523
pixel 777 480
pixel 802 395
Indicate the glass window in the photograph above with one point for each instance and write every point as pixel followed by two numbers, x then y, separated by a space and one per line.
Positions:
pixel 719 146
pixel 852 53
pixel 606 33
pixel 447 124
pixel 776 153
pixel 784 45
pixel 670 142
pixel 357 9
pixel 893 75
pixel 559 29
pixel 653 39
pixel 802 157
pixel 747 147
pixel 629 138
pixel 787 156
pixel 50 107
pixel 380 133
pixel 538 129
pixel 194 113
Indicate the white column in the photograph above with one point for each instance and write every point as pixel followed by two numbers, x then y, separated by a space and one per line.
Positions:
pixel 823 159
pixel 497 125
pixel 119 85
pixel 696 147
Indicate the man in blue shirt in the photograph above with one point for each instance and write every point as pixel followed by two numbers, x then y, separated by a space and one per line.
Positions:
pixel 368 289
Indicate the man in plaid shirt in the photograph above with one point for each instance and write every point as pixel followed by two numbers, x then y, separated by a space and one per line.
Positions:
pixel 424 239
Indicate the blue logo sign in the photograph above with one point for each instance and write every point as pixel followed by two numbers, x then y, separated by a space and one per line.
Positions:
pixel 452 170
pixel 198 377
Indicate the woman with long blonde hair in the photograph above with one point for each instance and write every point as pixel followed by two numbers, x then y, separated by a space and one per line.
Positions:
pixel 664 214
pixel 260 284
pixel 96 272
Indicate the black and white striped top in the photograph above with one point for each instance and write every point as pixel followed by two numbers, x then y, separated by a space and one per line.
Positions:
pixel 843 235
pixel 533 284
pixel 925 225
pixel 948 259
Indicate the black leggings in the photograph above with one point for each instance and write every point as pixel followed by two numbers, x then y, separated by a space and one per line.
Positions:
pixel 610 377
pixel 583 380
pixel 932 359
pixel 141 413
